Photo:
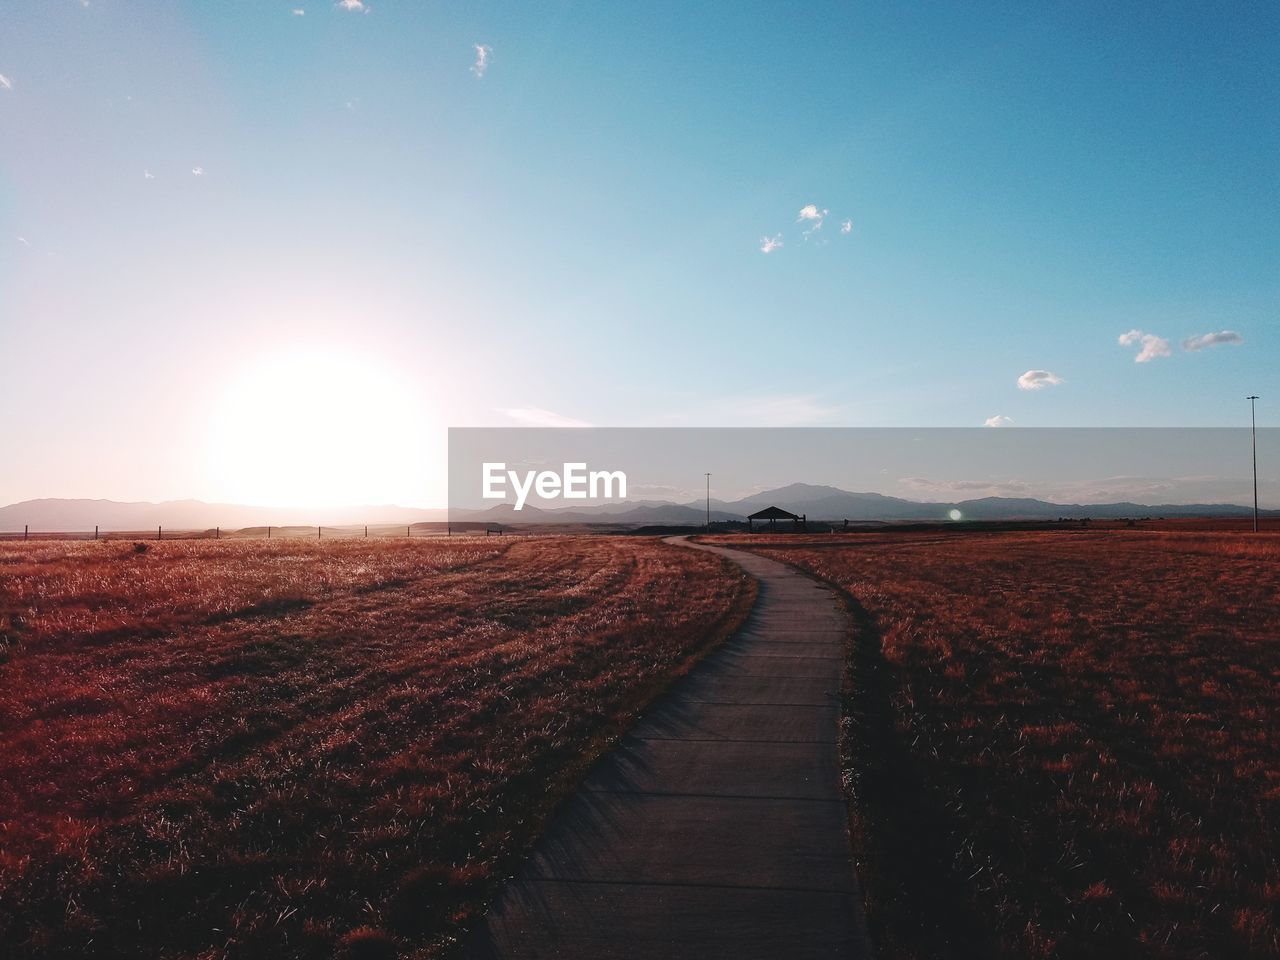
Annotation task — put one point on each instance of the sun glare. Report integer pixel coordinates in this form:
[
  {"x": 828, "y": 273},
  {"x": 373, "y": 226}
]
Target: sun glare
[{"x": 319, "y": 427}]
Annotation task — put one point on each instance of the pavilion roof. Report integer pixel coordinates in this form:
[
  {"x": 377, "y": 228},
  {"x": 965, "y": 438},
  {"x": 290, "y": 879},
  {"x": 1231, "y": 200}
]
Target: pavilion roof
[{"x": 773, "y": 513}]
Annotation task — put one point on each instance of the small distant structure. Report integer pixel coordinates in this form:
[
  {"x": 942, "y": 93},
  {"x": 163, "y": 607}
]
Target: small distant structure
[{"x": 773, "y": 515}]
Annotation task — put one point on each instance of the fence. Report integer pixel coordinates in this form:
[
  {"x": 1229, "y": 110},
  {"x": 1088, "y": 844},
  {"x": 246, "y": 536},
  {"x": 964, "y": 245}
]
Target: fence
[{"x": 290, "y": 532}]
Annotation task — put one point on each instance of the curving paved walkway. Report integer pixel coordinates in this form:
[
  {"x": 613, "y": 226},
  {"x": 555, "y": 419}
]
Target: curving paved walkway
[{"x": 717, "y": 828}]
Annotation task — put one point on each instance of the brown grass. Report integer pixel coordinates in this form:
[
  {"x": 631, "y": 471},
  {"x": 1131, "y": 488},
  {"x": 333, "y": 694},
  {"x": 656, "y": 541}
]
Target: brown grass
[
  {"x": 1063, "y": 744},
  {"x": 243, "y": 749}
]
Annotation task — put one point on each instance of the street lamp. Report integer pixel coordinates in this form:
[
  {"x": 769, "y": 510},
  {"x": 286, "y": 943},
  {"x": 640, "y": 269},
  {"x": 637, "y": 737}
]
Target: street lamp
[
  {"x": 708, "y": 503},
  {"x": 1253, "y": 417}
]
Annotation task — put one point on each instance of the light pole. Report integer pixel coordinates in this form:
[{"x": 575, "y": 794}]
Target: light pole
[
  {"x": 708, "y": 503},
  {"x": 1253, "y": 418}
]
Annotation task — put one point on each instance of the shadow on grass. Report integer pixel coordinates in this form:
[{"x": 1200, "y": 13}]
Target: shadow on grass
[{"x": 904, "y": 837}]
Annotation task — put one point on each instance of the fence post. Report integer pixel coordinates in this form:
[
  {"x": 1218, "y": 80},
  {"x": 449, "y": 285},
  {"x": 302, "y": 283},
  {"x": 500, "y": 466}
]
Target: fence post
[
  {"x": 159, "y": 533},
  {"x": 95, "y": 531},
  {"x": 26, "y": 530},
  {"x": 366, "y": 529},
  {"x": 407, "y": 533},
  {"x": 268, "y": 532},
  {"x": 318, "y": 533},
  {"x": 217, "y": 533}
]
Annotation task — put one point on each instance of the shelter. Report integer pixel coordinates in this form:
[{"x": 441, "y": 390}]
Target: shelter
[{"x": 773, "y": 515}]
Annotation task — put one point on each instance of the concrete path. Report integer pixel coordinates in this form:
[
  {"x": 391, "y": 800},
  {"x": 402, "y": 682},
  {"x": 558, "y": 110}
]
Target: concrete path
[{"x": 717, "y": 828}]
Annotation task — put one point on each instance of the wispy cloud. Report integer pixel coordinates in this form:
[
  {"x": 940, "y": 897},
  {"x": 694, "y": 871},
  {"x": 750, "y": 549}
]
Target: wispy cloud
[
  {"x": 664, "y": 491},
  {"x": 148, "y": 175},
  {"x": 1038, "y": 380},
  {"x": 23, "y": 240},
  {"x": 298, "y": 12},
  {"x": 484, "y": 54},
  {"x": 5, "y": 82},
  {"x": 772, "y": 410},
  {"x": 354, "y": 6},
  {"x": 538, "y": 417},
  {"x": 811, "y": 215},
  {"x": 1152, "y": 345},
  {"x": 197, "y": 171},
  {"x": 965, "y": 489},
  {"x": 999, "y": 420},
  {"x": 1194, "y": 344}
]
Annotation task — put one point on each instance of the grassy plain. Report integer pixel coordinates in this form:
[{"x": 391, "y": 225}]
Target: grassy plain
[
  {"x": 1062, "y": 744},
  {"x": 289, "y": 748}
]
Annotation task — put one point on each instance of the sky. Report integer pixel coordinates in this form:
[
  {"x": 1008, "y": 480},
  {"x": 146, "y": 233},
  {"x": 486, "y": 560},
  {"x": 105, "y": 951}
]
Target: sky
[{"x": 269, "y": 252}]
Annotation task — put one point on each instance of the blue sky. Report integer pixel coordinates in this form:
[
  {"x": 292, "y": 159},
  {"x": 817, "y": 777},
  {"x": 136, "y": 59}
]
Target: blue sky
[{"x": 574, "y": 232}]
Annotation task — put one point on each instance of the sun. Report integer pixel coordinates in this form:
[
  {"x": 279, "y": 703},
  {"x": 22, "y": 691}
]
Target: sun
[{"x": 318, "y": 426}]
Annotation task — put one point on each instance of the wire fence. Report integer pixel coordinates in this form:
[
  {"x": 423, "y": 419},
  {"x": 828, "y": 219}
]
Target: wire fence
[{"x": 283, "y": 532}]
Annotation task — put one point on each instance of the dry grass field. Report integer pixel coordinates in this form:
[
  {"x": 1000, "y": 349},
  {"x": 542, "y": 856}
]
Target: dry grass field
[
  {"x": 233, "y": 749},
  {"x": 1062, "y": 745}
]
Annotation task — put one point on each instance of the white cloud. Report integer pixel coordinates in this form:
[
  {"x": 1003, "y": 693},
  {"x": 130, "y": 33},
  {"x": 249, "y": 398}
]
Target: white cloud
[
  {"x": 23, "y": 240},
  {"x": 770, "y": 244},
  {"x": 354, "y": 6},
  {"x": 999, "y": 420},
  {"x": 298, "y": 12},
  {"x": 810, "y": 214},
  {"x": 965, "y": 489},
  {"x": 1152, "y": 346},
  {"x": 846, "y": 226},
  {"x": 5, "y": 82},
  {"x": 197, "y": 171},
  {"x": 1038, "y": 379},
  {"x": 1194, "y": 344},
  {"x": 537, "y": 417},
  {"x": 777, "y": 410},
  {"x": 148, "y": 175},
  {"x": 483, "y": 55}
]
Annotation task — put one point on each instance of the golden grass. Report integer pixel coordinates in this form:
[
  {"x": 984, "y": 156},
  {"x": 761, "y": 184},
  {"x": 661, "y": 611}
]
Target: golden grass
[
  {"x": 1063, "y": 744},
  {"x": 235, "y": 749}
]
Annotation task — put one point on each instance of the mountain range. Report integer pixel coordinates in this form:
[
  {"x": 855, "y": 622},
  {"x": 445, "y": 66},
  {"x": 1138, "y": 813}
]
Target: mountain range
[
  {"x": 824, "y": 503},
  {"x": 816, "y": 502}
]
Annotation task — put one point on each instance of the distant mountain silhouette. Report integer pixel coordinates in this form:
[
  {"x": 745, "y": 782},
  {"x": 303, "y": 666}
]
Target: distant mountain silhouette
[
  {"x": 818, "y": 503},
  {"x": 56, "y": 515},
  {"x": 827, "y": 503}
]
